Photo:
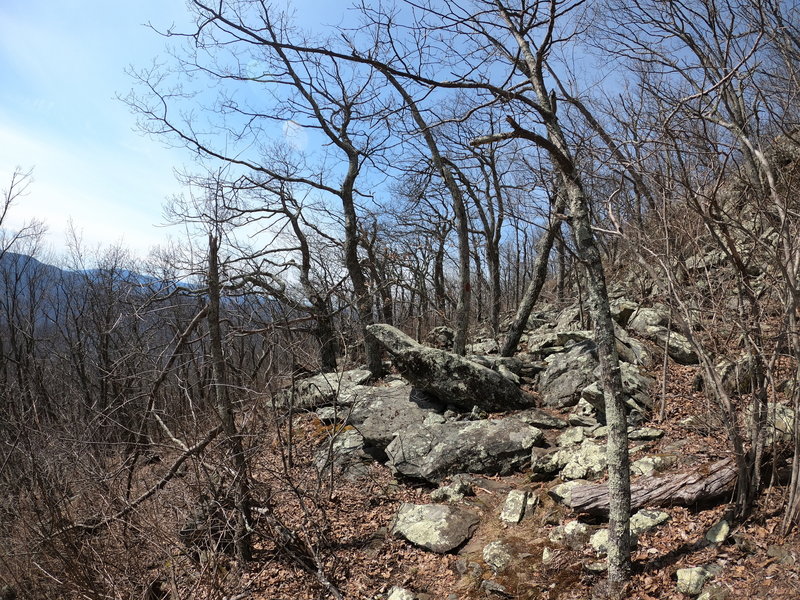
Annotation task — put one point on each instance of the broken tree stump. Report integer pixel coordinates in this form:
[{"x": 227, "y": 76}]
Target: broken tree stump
[{"x": 704, "y": 483}]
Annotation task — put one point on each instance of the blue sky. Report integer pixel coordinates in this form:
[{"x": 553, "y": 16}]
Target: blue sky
[{"x": 62, "y": 64}]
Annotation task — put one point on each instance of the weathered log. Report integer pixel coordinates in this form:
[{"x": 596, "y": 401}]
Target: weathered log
[{"x": 707, "y": 482}]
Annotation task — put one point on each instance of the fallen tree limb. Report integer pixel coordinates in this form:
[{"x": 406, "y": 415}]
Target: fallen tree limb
[{"x": 704, "y": 483}]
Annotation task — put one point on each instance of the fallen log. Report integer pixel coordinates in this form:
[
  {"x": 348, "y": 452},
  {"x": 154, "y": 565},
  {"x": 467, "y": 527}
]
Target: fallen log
[{"x": 707, "y": 482}]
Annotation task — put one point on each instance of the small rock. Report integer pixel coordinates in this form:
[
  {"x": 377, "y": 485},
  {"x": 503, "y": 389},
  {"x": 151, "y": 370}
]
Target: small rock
[
  {"x": 497, "y": 555},
  {"x": 459, "y": 487},
  {"x": 492, "y": 588},
  {"x": 573, "y": 535},
  {"x": 514, "y": 506},
  {"x": 645, "y": 433},
  {"x": 782, "y": 553},
  {"x": 719, "y": 532},
  {"x": 588, "y": 461},
  {"x": 570, "y": 437},
  {"x": 714, "y": 592},
  {"x": 562, "y": 493},
  {"x": 435, "y": 527},
  {"x": 399, "y": 593},
  {"x": 649, "y": 465},
  {"x": 540, "y": 418},
  {"x": 599, "y": 541},
  {"x": 600, "y": 432},
  {"x": 596, "y": 566},
  {"x": 691, "y": 580},
  {"x": 645, "y": 520},
  {"x": 547, "y": 555}
]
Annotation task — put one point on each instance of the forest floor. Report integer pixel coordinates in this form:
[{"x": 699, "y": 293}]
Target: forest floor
[{"x": 364, "y": 561}]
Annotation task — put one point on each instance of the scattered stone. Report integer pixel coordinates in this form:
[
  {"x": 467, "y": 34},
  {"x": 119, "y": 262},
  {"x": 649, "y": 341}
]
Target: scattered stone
[
  {"x": 568, "y": 374},
  {"x": 588, "y": 461},
  {"x": 596, "y": 566},
  {"x": 547, "y": 555},
  {"x": 399, "y": 593},
  {"x": 449, "y": 377},
  {"x": 324, "y": 389},
  {"x": 599, "y": 541},
  {"x": 573, "y": 535},
  {"x": 570, "y": 437},
  {"x": 434, "y": 452},
  {"x": 644, "y": 433},
  {"x": 492, "y": 588},
  {"x": 459, "y": 488},
  {"x": 584, "y": 415},
  {"x": 714, "y": 592},
  {"x": 539, "y": 418},
  {"x": 783, "y": 553},
  {"x": 436, "y": 527},
  {"x": 497, "y": 555},
  {"x": 600, "y": 432},
  {"x": 562, "y": 493},
  {"x": 441, "y": 337},
  {"x": 646, "y": 519},
  {"x": 649, "y": 465},
  {"x": 719, "y": 532},
  {"x": 547, "y": 462},
  {"x": 345, "y": 451},
  {"x": 514, "y": 506},
  {"x": 691, "y": 580}
]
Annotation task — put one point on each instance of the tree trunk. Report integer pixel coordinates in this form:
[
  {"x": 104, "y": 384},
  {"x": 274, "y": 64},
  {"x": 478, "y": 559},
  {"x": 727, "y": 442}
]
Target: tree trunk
[
  {"x": 543, "y": 248},
  {"x": 225, "y": 409}
]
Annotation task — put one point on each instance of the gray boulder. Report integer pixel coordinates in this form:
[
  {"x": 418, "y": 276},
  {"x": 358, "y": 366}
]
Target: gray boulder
[
  {"x": 436, "y": 527},
  {"x": 433, "y": 452},
  {"x": 449, "y": 377},
  {"x": 568, "y": 374},
  {"x": 379, "y": 413},
  {"x": 441, "y": 337},
  {"x": 324, "y": 389}
]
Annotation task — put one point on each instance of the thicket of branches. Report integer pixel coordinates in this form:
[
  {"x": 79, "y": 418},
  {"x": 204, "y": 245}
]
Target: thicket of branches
[{"x": 437, "y": 163}]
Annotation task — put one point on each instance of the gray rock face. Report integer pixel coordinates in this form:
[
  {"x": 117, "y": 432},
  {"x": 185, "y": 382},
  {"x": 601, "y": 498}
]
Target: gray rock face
[
  {"x": 325, "y": 389},
  {"x": 435, "y": 527},
  {"x": 691, "y": 581},
  {"x": 379, "y": 413},
  {"x": 449, "y": 377},
  {"x": 441, "y": 337},
  {"x": 514, "y": 506},
  {"x": 432, "y": 452},
  {"x": 346, "y": 453},
  {"x": 498, "y": 555},
  {"x": 568, "y": 374}
]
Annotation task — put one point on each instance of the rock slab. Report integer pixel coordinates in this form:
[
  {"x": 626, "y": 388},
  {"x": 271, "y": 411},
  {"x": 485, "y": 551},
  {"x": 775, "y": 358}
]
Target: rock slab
[
  {"x": 434, "y": 451},
  {"x": 447, "y": 376},
  {"x": 436, "y": 527}
]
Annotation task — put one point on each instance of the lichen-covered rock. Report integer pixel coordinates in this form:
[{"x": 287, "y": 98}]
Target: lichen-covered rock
[
  {"x": 719, "y": 532},
  {"x": 324, "y": 389},
  {"x": 650, "y": 465},
  {"x": 645, "y": 520},
  {"x": 379, "y": 413},
  {"x": 539, "y": 418},
  {"x": 441, "y": 337},
  {"x": 692, "y": 580},
  {"x": 589, "y": 460},
  {"x": 458, "y": 489},
  {"x": 568, "y": 374},
  {"x": 439, "y": 528},
  {"x": 571, "y": 436},
  {"x": 433, "y": 452},
  {"x": 498, "y": 555},
  {"x": 400, "y": 593},
  {"x": 449, "y": 377},
  {"x": 514, "y": 506},
  {"x": 562, "y": 493},
  {"x": 574, "y": 535}
]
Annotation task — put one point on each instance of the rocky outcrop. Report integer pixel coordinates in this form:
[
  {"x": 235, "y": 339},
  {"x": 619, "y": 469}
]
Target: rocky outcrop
[
  {"x": 449, "y": 377},
  {"x": 380, "y": 413},
  {"x": 436, "y": 527},
  {"x": 573, "y": 375},
  {"x": 433, "y": 452},
  {"x": 325, "y": 389}
]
